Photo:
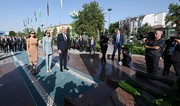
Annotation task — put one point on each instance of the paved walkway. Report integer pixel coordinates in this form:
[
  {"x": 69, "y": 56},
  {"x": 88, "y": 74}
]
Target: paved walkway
[
  {"x": 85, "y": 83},
  {"x": 13, "y": 90}
]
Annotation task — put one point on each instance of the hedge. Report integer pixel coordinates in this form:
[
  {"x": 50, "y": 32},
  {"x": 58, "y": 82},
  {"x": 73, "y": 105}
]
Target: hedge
[{"x": 136, "y": 48}]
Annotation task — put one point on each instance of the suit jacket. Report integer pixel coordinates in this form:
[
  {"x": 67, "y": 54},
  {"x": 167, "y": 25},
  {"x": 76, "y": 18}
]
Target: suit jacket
[
  {"x": 47, "y": 45},
  {"x": 121, "y": 40},
  {"x": 63, "y": 44}
]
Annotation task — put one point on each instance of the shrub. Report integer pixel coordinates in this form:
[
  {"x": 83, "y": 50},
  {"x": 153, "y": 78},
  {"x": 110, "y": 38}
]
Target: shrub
[
  {"x": 135, "y": 48},
  {"x": 97, "y": 48}
]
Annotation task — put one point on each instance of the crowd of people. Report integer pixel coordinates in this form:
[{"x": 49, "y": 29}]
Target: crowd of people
[
  {"x": 12, "y": 43},
  {"x": 155, "y": 48},
  {"x": 84, "y": 43}
]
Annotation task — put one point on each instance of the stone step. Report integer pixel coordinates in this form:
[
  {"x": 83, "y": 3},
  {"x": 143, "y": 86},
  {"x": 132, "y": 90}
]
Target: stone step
[
  {"x": 99, "y": 95},
  {"x": 156, "y": 88}
]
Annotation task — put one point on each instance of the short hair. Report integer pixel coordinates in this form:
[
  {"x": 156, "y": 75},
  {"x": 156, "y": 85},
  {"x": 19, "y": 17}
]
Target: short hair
[
  {"x": 118, "y": 29},
  {"x": 161, "y": 32}
]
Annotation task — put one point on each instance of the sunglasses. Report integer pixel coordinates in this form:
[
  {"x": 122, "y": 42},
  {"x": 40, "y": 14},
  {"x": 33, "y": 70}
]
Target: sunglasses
[
  {"x": 32, "y": 33},
  {"x": 47, "y": 33}
]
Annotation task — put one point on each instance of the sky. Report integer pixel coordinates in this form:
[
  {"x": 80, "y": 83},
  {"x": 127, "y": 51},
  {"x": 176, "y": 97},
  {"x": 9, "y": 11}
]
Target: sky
[{"x": 13, "y": 12}]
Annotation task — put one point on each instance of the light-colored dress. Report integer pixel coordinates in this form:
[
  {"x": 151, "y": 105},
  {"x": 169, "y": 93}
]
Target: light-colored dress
[
  {"x": 47, "y": 45},
  {"x": 33, "y": 49}
]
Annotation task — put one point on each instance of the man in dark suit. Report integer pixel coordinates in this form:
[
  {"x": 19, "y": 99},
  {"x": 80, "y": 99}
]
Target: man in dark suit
[
  {"x": 63, "y": 44},
  {"x": 118, "y": 43},
  {"x": 104, "y": 45}
]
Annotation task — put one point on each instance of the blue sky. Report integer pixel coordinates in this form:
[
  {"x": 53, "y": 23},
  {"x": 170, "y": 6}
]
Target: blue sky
[{"x": 13, "y": 12}]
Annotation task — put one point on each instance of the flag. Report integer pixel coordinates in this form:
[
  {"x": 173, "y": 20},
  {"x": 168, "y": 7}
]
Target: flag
[
  {"x": 28, "y": 20},
  {"x": 24, "y": 22},
  {"x": 61, "y": 4},
  {"x": 40, "y": 13},
  {"x": 35, "y": 15},
  {"x": 31, "y": 20},
  {"x": 47, "y": 9}
]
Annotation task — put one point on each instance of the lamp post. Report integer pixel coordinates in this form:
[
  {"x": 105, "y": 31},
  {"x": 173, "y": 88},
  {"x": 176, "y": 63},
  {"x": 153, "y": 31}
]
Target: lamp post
[
  {"x": 169, "y": 28},
  {"x": 74, "y": 15},
  {"x": 109, "y": 9}
]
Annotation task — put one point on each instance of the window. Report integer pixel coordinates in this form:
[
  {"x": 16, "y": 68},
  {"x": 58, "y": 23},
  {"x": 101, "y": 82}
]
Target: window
[{"x": 139, "y": 23}]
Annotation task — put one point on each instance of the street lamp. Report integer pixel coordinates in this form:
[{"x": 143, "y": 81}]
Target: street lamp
[
  {"x": 109, "y": 9},
  {"x": 74, "y": 15}
]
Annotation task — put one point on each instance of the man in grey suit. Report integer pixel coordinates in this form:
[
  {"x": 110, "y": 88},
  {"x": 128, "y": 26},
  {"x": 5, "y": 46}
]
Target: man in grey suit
[{"x": 63, "y": 44}]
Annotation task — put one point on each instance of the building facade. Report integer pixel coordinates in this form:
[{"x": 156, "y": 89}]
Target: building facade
[
  {"x": 58, "y": 27},
  {"x": 157, "y": 21}
]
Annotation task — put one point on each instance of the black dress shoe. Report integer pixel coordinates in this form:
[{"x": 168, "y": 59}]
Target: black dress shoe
[
  {"x": 66, "y": 68},
  {"x": 61, "y": 70}
]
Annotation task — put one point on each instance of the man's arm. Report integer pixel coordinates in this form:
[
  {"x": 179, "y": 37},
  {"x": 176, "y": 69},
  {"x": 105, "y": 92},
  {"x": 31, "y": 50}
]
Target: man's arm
[
  {"x": 152, "y": 47},
  {"x": 122, "y": 40},
  {"x": 113, "y": 40},
  {"x": 177, "y": 40},
  {"x": 58, "y": 42}
]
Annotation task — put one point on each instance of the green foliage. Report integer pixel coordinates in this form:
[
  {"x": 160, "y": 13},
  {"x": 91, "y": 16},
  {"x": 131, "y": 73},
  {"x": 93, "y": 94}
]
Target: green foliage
[
  {"x": 73, "y": 28},
  {"x": 128, "y": 88},
  {"x": 144, "y": 30},
  {"x": 20, "y": 33},
  {"x": 113, "y": 27},
  {"x": 126, "y": 29},
  {"x": 39, "y": 34},
  {"x": 173, "y": 16},
  {"x": 97, "y": 48},
  {"x": 12, "y": 33},
  {"x": 54, "y": 33},
  {"x": 136, "y": 48},
  {"x": 26, "y": 31},
  {"x": 90, "y": 19},
  {"x": 161, "y": 102},
  {"x": 68, "y": 31}
]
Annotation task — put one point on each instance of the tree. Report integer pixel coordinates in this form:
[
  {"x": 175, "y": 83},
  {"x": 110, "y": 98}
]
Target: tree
[
  {"x": 39, "y": 33},
  {"x": 20, "y": 33},
  {"x": 144, "y": 30},
  {"x": 68, "y": 31},
  {"x": 12, "y": 33},
  {"x": 54, "y": 33},
  {"x": 113, "y": 27},
  {"x": 26, "y": 31},
  {"x": 73, "y": 28},
  {"x": 126, "y": 29},
  {"x": 90, "y": 19},
  {"x": 173, "y": 16}
]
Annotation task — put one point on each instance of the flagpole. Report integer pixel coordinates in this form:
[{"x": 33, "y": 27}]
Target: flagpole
[
  {"x": 61, "y": 7},
  {"x": 47, "y": 14}
]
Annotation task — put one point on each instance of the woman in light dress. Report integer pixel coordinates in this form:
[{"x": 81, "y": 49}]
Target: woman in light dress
[{"x": 48, "y": 49}]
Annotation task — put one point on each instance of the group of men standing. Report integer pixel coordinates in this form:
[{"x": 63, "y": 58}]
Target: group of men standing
[
  {"x": 84, "y": 43},
  {"x": 15, "y": 43},
  {"x": 156, "y": 47}
]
